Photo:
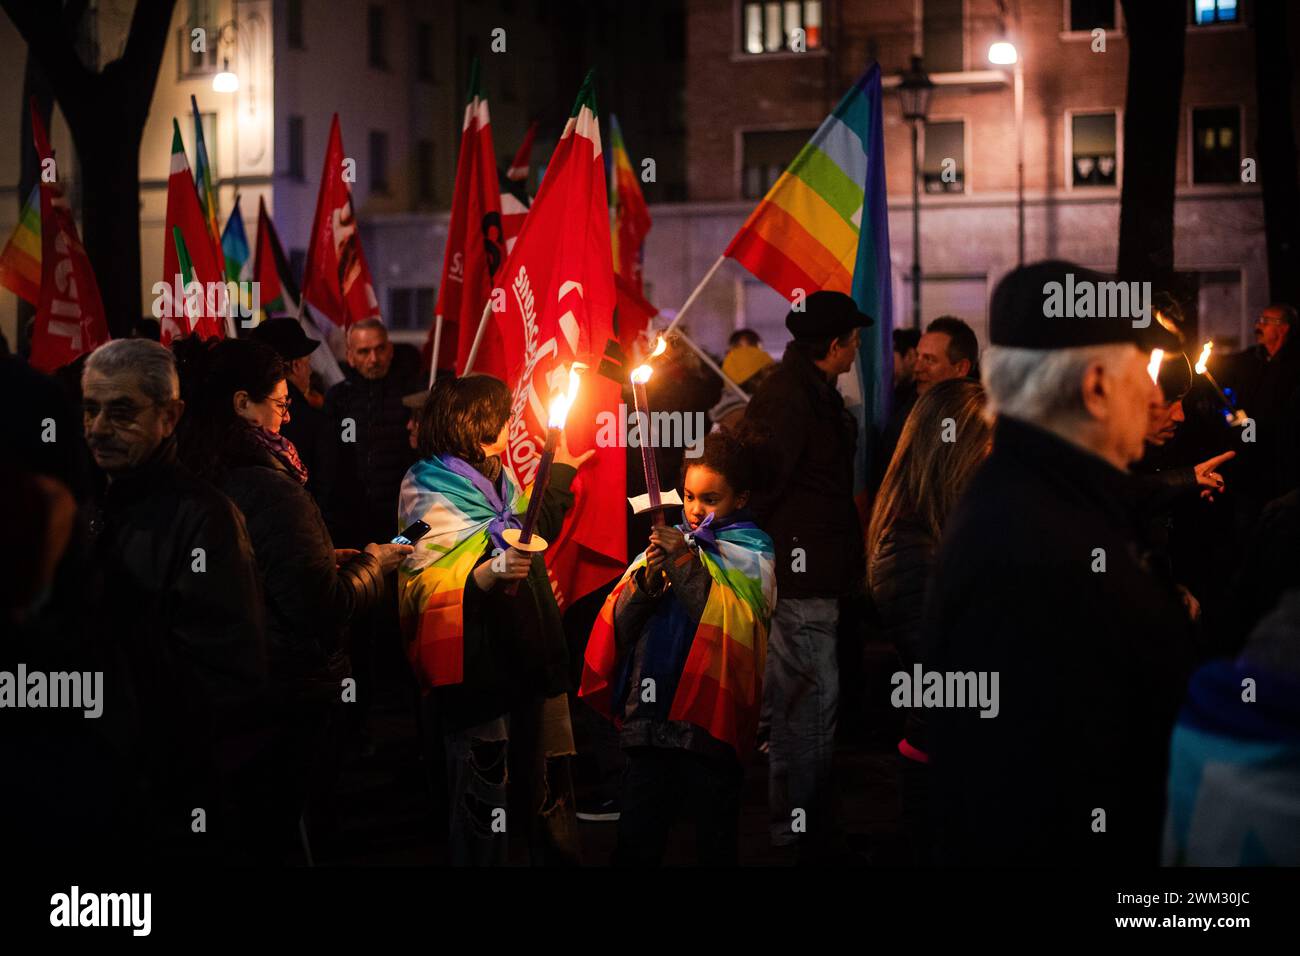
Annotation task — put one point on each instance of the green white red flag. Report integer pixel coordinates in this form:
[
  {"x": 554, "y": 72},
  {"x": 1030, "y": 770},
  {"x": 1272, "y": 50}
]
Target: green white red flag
[
  {"x": 558, "y": 294},
  {"x": 70, "y": 319},
  {"x": 337, "y": 279},
  {"x": 185, "y": 213}
]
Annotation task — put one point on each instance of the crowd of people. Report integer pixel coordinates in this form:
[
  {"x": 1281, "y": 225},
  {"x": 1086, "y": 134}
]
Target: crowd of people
[{"x": 1070, "y": 520}]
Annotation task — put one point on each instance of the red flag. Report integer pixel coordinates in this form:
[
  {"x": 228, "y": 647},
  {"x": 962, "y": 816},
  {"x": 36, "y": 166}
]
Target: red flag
[
  {"x": 70, "y": 318},
  {"x": 518, "y": 170},
  {"x": 514, "y": 191},
  {"x": 634, "y": 313},
  {"x": 185, "y": 214},
  {"x": 474, "y": 247},
  {"x": 558, "y": 289},
  {"x": 337, "y": 279}
]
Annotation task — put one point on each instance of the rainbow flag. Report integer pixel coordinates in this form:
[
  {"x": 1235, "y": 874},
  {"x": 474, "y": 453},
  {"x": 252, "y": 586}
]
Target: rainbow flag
[
  {"x": 629, "y": 218},
  {"x": 721, "y": 685},
  {"x": 20, "y": 262},
  {"x": 825, "y": 225},
  {"x": 204, "y": 185},
  {"x": 466, "y": 516}
]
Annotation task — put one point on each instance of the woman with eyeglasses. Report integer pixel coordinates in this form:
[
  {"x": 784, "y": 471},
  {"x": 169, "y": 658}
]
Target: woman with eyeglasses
[{"x": 237, "y": 399}]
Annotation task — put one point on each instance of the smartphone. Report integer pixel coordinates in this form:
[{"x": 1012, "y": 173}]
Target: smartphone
[{"x": 412, "y": 533}]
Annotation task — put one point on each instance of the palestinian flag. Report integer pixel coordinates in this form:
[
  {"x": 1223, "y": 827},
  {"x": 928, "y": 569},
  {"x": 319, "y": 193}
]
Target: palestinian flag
[
  {"x": 185, "y": 214},
  {"x": 558, "y": 287},
  {"x": 20, "y": 262}
]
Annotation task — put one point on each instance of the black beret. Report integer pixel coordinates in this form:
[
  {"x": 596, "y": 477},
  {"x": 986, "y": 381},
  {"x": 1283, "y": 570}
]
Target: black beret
[
  {"x": 1061, "y": 305},
  {"x": 826, "y": 314}
]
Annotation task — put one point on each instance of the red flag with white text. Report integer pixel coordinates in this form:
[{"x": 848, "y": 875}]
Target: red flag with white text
[
  {"x": 558, "y": 290},
  {"x": 70, "y": 319}
]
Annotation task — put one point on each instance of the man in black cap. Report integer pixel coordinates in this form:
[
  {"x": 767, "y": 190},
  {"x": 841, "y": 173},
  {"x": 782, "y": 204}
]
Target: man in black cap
[
  {"x": 809, "y": 512},
  {"x": 1043, "y": 593},
  {"x": 308, "y": 423}
]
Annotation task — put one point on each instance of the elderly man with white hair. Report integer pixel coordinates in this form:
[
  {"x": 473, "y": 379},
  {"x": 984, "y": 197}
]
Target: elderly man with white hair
[
  {"x": 180, "y": 597},
  {"x": 1043, "y": 592}
]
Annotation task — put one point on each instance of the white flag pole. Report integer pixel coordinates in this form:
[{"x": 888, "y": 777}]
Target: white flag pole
[
  {"x": 711, "y": 364},
  {"x": 478, "y": 338},
  {"x": 690, "y": 299},
  {"x": 437, "y": 346}
]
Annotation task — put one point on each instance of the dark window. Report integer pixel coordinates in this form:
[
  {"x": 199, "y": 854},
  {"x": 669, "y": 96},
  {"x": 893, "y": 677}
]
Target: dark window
[
  {"x": 1088, "y": 15},
  {"x": 766, "y": 155},
  {"x": 424, "y": 172},
  {"x": 376, "y": 41},
  {"x": 293, "y": 24},
  {"x": 944, "y": 167},
  {"x": 191, "y": 61},
  {"x": 297, "y": 169},
  {"x": 410, "y": 308},
  {"x": 1208, "y": 12},
  {"x": 1216, "y": 145},
  {"x": 424, "y": 51},
  {"x": 792, "y": 26},
  {"x": 378, "y": 161},
  {"x": 1094, "y": 156},
  {"x": 297, "y": 263},
  {"x": 943, "y": 36}
]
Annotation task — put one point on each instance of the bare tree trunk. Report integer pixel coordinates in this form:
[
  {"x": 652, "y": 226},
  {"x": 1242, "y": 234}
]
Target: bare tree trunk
[
  {"x": 1156, "y": 30},
  {"x": 106, "y": 111},
  {"x": 1275, "y": 147}
]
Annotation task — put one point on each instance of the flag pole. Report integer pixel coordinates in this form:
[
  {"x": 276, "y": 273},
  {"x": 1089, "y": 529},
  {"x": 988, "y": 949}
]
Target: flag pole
[
  {"x": 437, "y": 346},
  {"x": 478, "y": 338},
  {"x": 690, "y": 300},
  {"x": 711, "y": 364}
]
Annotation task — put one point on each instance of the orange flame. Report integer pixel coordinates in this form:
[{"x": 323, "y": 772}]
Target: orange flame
[
  {"x": 560, "y": 404},
  {"x": 1153, "y": 367},
  {"x": 641, "y": 374},
  {"x": 1203, "y": 361}
]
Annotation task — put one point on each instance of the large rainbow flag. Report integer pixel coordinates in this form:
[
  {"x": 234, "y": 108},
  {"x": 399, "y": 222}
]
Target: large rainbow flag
[
  {"x": 825, "y": 225},
  {"x": 465, "y": 515},
  {"x": 721, "y": 685},
  {"x": 20, "y": 262}
]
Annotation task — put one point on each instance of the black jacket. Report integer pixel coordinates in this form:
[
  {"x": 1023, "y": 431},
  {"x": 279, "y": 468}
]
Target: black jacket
[
  {"x": 360, "y": 479},
  {"x": 179, "y": 594},
  {"x": 1092, "y": 664},
  {"x": 309, "y": 601},
  {"x": 809, "y": 503}
]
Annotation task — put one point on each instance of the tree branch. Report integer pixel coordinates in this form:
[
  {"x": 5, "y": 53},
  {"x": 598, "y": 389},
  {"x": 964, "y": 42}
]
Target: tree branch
[{"x": 51, "y": 44}]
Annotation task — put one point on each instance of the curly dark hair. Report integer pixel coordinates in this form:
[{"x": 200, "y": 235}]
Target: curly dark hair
[
  {"x": 460, "y": 415},
  {"x": 739, "y": 455},
  {"x": 211, "y": 373}
]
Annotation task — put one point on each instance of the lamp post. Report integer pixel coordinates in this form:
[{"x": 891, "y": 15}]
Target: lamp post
[
  {"x": 914, "y": 89},
  {"x": 1004, "y": 53}
]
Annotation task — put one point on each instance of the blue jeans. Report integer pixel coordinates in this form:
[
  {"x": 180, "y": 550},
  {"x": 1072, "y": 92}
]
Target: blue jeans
[
  {"x": 803, "y": 687},
  {"x": 511, "y": 775}
]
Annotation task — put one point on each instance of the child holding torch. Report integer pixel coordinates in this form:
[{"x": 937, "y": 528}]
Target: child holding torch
[{"x": 676, "y": 659}]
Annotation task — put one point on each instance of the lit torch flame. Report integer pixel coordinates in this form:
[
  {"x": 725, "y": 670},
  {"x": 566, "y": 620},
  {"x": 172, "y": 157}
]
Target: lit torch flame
[
  {"x": 1203, "y": 361},
  {"x": 641, "y": 374},
  {"x": 561, "y": 404},
  {"x": 1153, "y": 367}
]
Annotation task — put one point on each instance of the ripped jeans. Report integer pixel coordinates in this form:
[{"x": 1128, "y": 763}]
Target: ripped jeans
[{"x": 511, "y": 776}]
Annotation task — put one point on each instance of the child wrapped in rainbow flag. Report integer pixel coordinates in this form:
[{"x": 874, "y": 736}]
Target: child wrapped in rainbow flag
[
  {"x": 494, "y": 664},
  {"x": 676, "y": 659}
]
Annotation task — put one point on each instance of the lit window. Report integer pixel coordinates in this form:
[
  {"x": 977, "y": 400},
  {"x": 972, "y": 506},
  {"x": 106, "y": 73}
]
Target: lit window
[
  {"x": 1094, "y": 156},
  {"x": 1207, "y": 12},
  {"x": 1216, "y": 148},
  {"x": 792, "y": 26}
]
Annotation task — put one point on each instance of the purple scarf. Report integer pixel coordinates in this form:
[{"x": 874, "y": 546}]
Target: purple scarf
[
  {"x": 283, "y": 450},
  {"x": 505, "y": 518}
]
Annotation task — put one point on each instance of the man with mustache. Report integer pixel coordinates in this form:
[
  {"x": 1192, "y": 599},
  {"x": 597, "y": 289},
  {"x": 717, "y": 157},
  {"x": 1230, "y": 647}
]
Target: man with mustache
[{"x": 179, "y": 597}]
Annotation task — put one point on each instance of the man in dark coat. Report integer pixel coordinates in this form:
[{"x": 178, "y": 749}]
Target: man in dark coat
[
  {"x": 180, "y": 592},
  {"x": 1043, "y": 593},
  {"x": 808, "y": 510}
]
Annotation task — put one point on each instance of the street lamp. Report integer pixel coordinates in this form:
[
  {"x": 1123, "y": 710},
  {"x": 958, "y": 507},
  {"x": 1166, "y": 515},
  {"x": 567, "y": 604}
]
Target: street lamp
[
  {"x": 1004, "y": 53},
  {"x": 914, "y": 89}
]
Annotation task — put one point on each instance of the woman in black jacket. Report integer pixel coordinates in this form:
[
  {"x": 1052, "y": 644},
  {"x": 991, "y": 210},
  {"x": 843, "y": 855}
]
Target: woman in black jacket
[
  {"x": 237, "y": 399},
  {"x": 943, "y": 441}
]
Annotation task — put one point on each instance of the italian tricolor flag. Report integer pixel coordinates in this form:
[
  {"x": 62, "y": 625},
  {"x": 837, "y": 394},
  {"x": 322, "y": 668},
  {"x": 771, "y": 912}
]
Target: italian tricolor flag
[{"x": 184, "y": 216}]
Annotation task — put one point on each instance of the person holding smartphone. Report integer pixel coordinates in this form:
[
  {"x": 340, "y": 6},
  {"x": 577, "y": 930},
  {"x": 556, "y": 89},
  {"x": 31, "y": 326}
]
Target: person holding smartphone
[{"x": 492, "y": 659}]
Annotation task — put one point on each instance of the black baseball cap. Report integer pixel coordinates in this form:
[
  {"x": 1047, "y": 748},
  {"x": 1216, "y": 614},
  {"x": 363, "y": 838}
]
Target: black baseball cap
[
  {"x": 826, "y": 314},
  {"x": 285, "y": 336},
  {"x": 1056, "y": 304}
]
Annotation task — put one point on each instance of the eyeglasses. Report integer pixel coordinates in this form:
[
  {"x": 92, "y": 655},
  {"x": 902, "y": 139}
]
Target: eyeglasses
[
  {"x": 120, "y": 414},
  {"x": 1263, "y": 321},
  {"x": 281, "y": 405}
]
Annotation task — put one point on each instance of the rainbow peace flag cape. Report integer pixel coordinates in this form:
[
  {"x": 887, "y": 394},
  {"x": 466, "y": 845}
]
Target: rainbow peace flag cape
[
  {"x": 721, "y": 686},
  {"x": 466, "y": 515}
]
